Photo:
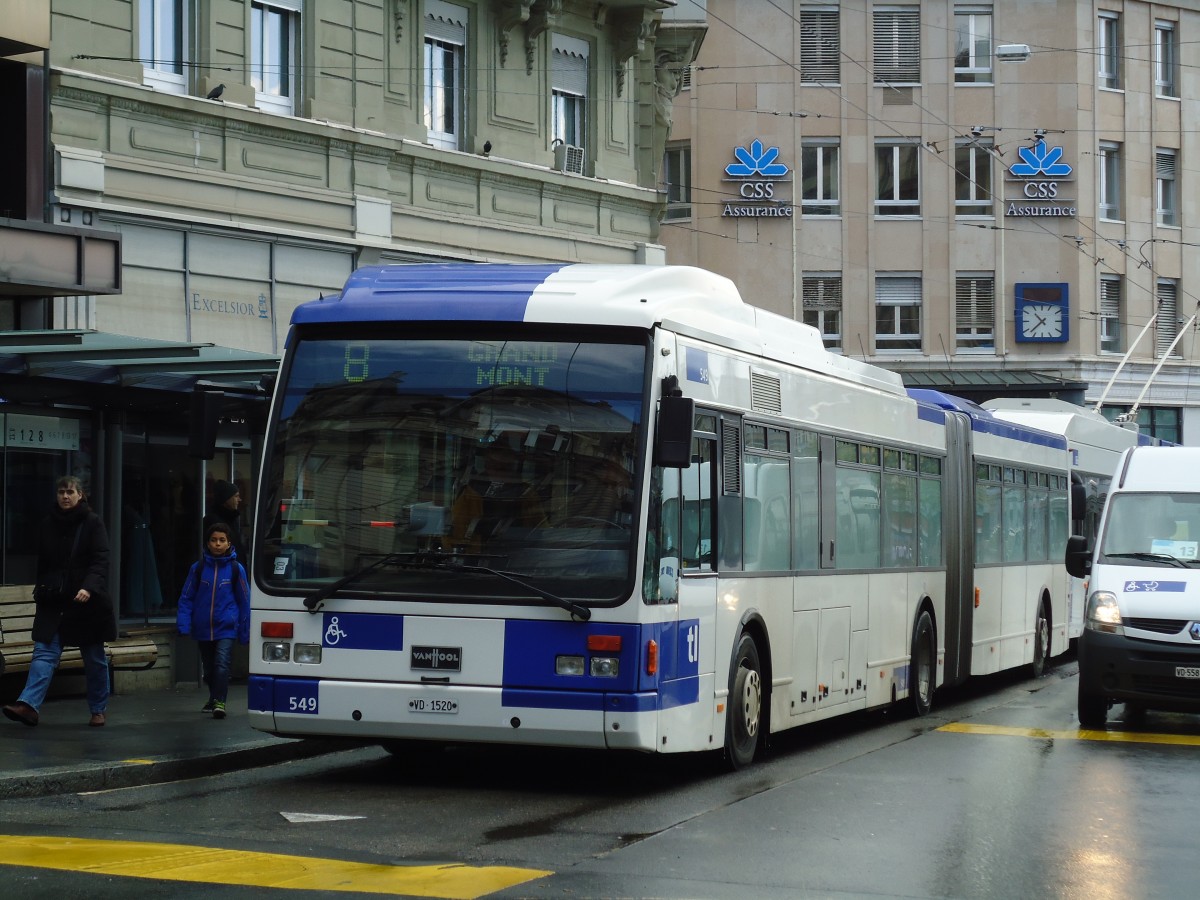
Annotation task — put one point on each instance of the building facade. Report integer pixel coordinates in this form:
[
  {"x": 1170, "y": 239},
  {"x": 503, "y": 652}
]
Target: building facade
[
  {"x": 991, "y": 198},
  {"x": 194, "y": 169}
]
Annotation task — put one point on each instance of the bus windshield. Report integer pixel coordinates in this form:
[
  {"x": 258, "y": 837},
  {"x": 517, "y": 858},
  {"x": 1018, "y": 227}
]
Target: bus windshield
[{"x": 416, "y": 465}]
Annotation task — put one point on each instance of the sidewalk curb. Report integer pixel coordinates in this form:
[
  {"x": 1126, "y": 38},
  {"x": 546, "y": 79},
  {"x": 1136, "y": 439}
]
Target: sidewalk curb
[{"x": 136, "y": 773}]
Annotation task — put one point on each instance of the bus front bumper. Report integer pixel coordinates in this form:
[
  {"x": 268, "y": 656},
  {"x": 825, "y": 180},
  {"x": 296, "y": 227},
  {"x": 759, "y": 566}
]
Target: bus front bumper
[{"x": 371, "y": 711}]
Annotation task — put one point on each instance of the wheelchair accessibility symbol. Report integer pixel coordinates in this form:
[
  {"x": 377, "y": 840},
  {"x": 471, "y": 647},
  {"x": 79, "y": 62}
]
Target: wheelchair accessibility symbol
[{"x": 333, "y": 633}]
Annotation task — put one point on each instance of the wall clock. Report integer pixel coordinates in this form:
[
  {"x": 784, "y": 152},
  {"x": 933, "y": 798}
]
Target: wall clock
[{"x": 1042, "y": 313}]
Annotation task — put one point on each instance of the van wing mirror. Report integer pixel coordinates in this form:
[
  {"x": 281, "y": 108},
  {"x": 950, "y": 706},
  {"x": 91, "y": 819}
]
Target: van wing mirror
[
  {"x": 1078, "y": 556},
  {"x": 673, "y": 442}
]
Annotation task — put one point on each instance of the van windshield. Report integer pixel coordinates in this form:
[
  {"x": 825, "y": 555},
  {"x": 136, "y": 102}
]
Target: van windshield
[{"x": 1152, "y": 529}]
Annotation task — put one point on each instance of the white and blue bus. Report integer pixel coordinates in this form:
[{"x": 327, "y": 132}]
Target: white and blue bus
[
  {"x": 617, "y": 507},
  {"x": 1095, "y": 445}
]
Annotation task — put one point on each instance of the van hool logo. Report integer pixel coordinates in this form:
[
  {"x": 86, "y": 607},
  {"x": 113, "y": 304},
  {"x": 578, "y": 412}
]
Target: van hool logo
[
  {"x": 443, "y": 658},
  {"x": 757, "y": 168}
]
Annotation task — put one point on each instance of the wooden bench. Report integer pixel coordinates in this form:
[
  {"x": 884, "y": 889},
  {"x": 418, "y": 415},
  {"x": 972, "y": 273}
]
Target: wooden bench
[{"x": 129, "y": 651}]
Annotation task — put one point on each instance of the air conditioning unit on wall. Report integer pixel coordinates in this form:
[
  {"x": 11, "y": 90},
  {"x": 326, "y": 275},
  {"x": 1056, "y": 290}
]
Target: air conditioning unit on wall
[{"x": 568, "y": 158}]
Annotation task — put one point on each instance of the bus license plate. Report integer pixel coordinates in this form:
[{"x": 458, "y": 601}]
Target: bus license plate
[
  {"x": 435, "y": 706},
  {"x": 1187, "y": 671}
]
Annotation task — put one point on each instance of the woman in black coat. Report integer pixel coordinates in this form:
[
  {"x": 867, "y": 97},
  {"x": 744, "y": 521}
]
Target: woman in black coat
[{"x": 72, "y": 605}]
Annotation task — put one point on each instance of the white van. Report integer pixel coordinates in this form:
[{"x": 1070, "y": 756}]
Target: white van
[{"x": 1141, "y": 626}]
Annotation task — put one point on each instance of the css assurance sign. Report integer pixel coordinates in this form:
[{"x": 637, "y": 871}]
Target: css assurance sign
[
  {"x": 1040, "y": 175},
  {"x": 760, "y": 179}
]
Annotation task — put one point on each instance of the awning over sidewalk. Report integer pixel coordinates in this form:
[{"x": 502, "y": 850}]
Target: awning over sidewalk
[
  {"x": 118, "y": 371},
  {"x": 987, "y": 384}
]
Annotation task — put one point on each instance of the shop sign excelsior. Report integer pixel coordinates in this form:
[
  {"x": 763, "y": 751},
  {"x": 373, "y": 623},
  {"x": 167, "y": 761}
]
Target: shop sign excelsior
[
  {"x": 758, "y": 175},
  {"x": 1040, "y": 174}
]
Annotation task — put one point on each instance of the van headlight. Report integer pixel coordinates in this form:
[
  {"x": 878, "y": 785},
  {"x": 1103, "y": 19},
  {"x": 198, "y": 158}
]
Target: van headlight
[{"x": 1103, "y": 614}]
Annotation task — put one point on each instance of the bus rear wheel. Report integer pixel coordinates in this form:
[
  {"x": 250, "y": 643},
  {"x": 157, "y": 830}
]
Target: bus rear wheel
[
  {"x": 743, "y": 718},
  {"x": 922, "y": 666}
]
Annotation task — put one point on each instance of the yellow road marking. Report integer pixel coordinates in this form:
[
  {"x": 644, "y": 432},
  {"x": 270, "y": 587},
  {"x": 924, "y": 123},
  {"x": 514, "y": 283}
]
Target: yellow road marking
[
  {"x": 206, "y": 865},
  {"x": 1076, "y": 734}
]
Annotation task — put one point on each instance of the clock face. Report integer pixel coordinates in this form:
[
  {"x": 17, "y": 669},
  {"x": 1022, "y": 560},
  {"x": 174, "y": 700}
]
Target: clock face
[{"x": 1042, "y": 321}]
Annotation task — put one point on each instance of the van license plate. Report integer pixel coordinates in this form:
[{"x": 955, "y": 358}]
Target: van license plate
[
  {"x": 1187, "y": 671},
  {"x": 451, "y": 706}
]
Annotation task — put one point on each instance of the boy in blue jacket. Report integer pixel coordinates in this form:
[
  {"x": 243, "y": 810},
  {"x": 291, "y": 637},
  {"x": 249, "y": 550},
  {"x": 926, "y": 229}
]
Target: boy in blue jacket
[{"x": 214, "y": 608}]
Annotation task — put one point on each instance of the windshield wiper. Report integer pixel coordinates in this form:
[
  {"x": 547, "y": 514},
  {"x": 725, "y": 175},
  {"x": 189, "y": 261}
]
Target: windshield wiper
[
  {"x": 436, "y": 560},
  {"x": 1154, "y": 557},
  {"x": 314, "y": 600}
]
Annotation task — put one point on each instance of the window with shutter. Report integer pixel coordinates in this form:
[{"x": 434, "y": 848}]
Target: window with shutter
[
  {"x": 898, "y": 312},
  {"x": 1110, "y": 314},
  {"x": 897, "y": 34},
  {"x": 445, "y": 89},
  {"x": 1166, "y": 326},
  {"x": 1166, "y": 197},
  {"x": 569, "y": 89},
  {"x": 974, "y": 312},
  {"x": 821, "y": 297},
  {"x": 820, "y": 46}
]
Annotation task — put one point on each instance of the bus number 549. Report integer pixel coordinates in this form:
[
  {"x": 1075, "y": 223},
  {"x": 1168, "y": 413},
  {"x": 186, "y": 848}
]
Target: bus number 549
[{"x": 302, "y": 704}]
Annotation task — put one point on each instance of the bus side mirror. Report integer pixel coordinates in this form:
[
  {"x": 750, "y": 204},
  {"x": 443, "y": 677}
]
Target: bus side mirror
[
  {"x": 1078, "y": 501},
  {"x": 673, "y": 444},
  {"x": 1078, "y": 557}
]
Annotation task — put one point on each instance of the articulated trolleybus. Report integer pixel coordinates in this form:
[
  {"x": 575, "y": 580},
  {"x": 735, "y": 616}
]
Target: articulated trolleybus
[{"x": 616, "y": 507}]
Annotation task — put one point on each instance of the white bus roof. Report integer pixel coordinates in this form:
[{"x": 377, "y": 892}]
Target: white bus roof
[{"x": 683, "y": 299}]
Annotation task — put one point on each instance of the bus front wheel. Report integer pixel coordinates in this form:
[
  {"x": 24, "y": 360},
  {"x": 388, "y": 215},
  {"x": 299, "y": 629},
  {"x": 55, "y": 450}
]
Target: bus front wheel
[
  {"x": 744, "y": 716},
  {"x": 921, "y": 666}
]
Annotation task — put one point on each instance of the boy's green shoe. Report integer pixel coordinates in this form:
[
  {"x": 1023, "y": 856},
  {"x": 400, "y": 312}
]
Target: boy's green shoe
[{"x": 218, "y": 709}]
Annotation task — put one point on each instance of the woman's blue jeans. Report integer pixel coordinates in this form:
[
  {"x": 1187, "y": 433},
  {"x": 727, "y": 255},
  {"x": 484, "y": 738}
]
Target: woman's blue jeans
[
  {"x": 45, "y": 661},
  {"x": 217, "y": 656}
]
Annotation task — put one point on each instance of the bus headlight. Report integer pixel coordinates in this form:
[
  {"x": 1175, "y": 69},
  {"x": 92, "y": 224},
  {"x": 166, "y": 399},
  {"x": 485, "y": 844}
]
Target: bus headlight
[
  {"x": 605, "y": 666},
  {"x": 307, "y": 654},
  {"x": 277, "y": 651},
  {"x": 1103, "y": 614},
  {"x": 568, "y": 665}
]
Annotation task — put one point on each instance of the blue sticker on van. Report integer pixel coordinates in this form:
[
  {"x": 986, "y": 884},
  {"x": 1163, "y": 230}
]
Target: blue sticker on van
[{"x": 1155, "y": 587}]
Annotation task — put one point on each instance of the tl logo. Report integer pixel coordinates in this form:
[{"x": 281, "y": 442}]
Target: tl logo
[
  {"x": 757, "y": 160},
  {"x": 1041, "y": 160}
]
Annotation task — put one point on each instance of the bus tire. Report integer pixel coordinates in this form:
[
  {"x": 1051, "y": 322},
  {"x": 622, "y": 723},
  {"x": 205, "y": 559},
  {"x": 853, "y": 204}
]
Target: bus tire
[
  {"x": 745, "y": 709},
  {"x": 922, "y": 666},
  {"x": 1092, "y": 709},
  {"x": 1041, "y": 641}
]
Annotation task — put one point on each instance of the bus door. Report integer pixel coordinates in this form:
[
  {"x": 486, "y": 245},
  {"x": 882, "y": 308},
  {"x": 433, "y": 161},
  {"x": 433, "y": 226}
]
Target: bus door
[
  {"x": 959, "y": 534},
  {"x": 688, "y": 658}
]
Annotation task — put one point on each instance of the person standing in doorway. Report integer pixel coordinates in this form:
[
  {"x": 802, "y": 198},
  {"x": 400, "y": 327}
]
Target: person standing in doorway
[
  {"x": 227, "y": 500},
  {"x": 214, "y": 608},
  {"x": 72, "y": 607}
]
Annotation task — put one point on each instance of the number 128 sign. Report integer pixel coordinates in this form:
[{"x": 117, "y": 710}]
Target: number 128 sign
[{"x": 43, "y": 432}]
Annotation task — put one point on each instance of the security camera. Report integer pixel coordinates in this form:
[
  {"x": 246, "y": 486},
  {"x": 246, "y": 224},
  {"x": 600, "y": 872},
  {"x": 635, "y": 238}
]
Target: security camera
[{"x": 1012, "y": 52}]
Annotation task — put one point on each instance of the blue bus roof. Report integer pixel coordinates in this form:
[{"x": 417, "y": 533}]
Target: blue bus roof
[{"x": 983, "y": 421}]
